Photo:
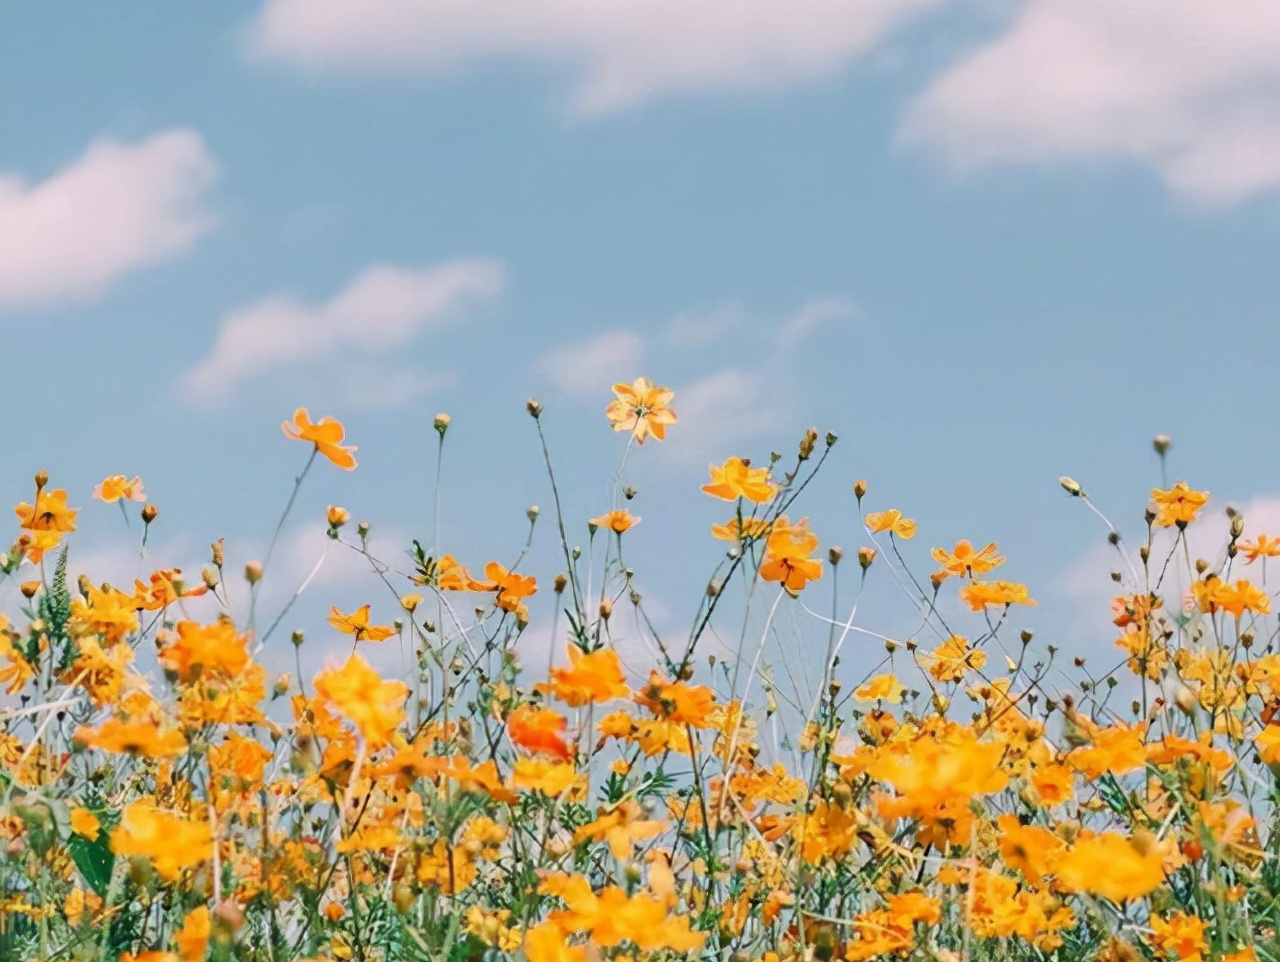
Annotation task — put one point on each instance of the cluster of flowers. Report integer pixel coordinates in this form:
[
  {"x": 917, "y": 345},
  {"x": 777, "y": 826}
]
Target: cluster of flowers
[{"x": 934, "y": 810}]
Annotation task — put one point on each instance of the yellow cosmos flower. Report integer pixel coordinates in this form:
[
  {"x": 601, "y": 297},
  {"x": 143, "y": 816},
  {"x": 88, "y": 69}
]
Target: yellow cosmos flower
[
  {"x": 618, "y": 521},
  {"x": 893, "y": 522},
  {"x": 116, "y": 487},
  {"x": 1179, "y": 505},
  {"x": 737, "y": 479},
  {"x": 641, "y": 408},
  {"x": 326, "y": 434},
  {"x": 357, "y": 625}
]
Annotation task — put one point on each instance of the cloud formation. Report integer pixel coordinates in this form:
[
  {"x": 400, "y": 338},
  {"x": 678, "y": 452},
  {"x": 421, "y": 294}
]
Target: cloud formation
[
  {"x": 1189, "y": 88},
  {"x": 585, "y": 368},
  {"x": 382, "y": 308},
  {"x": 621, "y": 52},
  {"x": 117, "y": 209}
]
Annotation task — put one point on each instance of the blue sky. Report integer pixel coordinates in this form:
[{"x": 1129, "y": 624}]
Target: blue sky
[{"x": 987, "y": 244}]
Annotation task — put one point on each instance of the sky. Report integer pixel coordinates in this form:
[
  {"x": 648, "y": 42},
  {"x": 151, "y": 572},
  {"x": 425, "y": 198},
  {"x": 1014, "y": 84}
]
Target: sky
[{"x": 987, "y": 244}]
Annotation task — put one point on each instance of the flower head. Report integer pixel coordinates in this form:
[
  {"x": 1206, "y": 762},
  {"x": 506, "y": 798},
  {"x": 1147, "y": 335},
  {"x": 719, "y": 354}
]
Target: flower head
[
  {"x": 1179, "y": 505},
  {"x": 326, "y": 434},
  {"x": 117, "y": 486},
  {"x": 641, "y": 408},
  {"x": 737, "y": 479},
  {"x": 357, "y": 624}
]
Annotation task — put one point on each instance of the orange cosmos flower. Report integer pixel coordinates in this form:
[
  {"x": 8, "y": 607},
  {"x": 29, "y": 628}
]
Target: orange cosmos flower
[
  {"x": 1263, "y": 547},
  {"x": 893, "y": 522},
  {"x": 117, "y": 486},
  {"x": 171, "y": 842},
  {"x": 539, "y": 730},
  {"x": 966, "y": 562},
  {"x": 164, "y": 588},
  {"x": 953, "y": 658},
  {"x": 1112, "y": 866},
  {"x": 786, "y": 557},
  {"x": 512, "y": 589},
  {"x": 46, "y": 522},
  {"x": 984, "y": 594},
  {"x": 375, "y": 707},
  {"x": 881, "y": 688},
  {"x": 620, "y": 827},
  {"x": 1238, "y": 598},
  {"x": 641, "y": 408},
  {"x": 137, "y": 736},
  {"x": 737, "y": 479},
  {"x": 1179, "y": 505},
  {"x": 617, "y": 521},
  {"x": 590, "y": 678},
  {"x": 736, "y": 530},
  {"x": 84, "y": 822},
  {"x": 326, "y": 434},
  {"x": 357, "y": 624},
  {"x": 677, "y": 702},
  {"x": 194, "y": 651}
]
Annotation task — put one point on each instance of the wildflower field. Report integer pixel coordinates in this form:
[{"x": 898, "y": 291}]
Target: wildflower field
[{"x": 972, "y": 795}]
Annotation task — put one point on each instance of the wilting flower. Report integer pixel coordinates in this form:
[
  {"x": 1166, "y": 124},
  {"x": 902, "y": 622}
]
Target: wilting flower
[
  {"x": 641, "y": 408},
  {"x": 326, "y": 434}
]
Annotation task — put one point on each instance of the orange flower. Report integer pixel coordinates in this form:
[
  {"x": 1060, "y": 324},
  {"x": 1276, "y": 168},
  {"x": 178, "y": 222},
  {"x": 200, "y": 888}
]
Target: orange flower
[
  {"x": 84, "y": 822},
  {"x": 171, "y": 842},
  {"x": 984, "y": 594},
  {"x": 1238, "y": 598},
  {"x": 881, "y": 688},
  {"x": 117, "y": 486},
  {"x": 677, "y": 702},
  {"x": 203, "y": 651},
  {"x": 590, "y": 678},
  {"x": 164, "y": 588},
  {"x": 192, "y": 940},
  {"x": 1179, "y": 505},
  {"x": 357, "y": 624},
  {"x": 966, "y": 562},
  {"x": 539, "y": 730},
  {"x": 620, "y": 827},
  {"x": 641, "y": 408},
  {"x": 326, "y": 434},
  {"x": 1112, "y": 866},
  {"x": 512, "y": 589},
  {"x": 618, "y": 521},
  {"x": 736, "y": 530},
  {"x": 893, "y": 522},
  {"x": 786, "y": 557},
  {"x": 737, "y": 479},
  {"x": 47, "y": 521},
  {"x": 548, "y": 776},
  {"x": 356, "y": 691},
  {"x": 954, "y": 657},
  {"x": 1262, "y": 547},
  {"x": 137, "y": 736}
]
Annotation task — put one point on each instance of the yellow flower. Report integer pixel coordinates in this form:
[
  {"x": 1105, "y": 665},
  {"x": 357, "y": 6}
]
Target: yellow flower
[
  {"x": 1179, "y": 505},
  {"x": 590, "y": 678},
  {"x": 83, "y": 822},
  {"x": 1262, "y": 547},
  {"x": 984, "y": 594},
  {"x": 326, "y": 434},
  {"x": 117, "y": 486},
  {"x": 171, "y": 842},
  {"x": 964, "y": 561},
  {"x": 893, "y": 522},
  {"x": 736, "y": 530},
  {"x": 737, "y": 479},
  {"x": 641, "y": 408},
  {"x": 786, "y": 556}
]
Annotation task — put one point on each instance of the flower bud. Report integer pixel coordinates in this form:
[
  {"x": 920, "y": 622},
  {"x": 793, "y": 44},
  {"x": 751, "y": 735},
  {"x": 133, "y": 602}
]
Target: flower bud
[
  {"x": 29, "y": 589},
  {"x": 1162, "y": 443},
  {"x": 534, "y": 407},
  {"x": 832, "y": 438},
  {"x": 559, "y": 584},
  {"x": 409, "y": 602},
  {"x": 362, "y": 529},
  {"x": 1237, "y": 526},
  {"x": 441, "y": 424},
  {"x": 606, "y": 609},
  {"x": 216, "y": 552},
  {"x": 337, "y": 516},
  {"x": 807, "y": 443},
  {"x": 834, "y": 554},
  {"x": 41, "y": 479},
  {"x": 1071, "y": 486},
  {"x": 149, "y": 513},
  {"x": 210, "y": 576},
  {"x": 532, "y": 513},
  {"x": 860, "y": 489},
  {"x": 629, "y": 492},
  {"x": 297, "y": 638},
  {"x": 866, "y": 556},
  {"x": 253, "y": 572},
  {"x": 281, "y": 686}
]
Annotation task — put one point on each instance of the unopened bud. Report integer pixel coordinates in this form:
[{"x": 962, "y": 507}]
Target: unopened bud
[
  {"x": 216, "y": 552},
  {"x": 534, "y": 407},
  {"x": 297, "y": 638},
  {"x": 253, "y": 572},
  {"x": 559, "y": 584},
  {"x": 1237, "y": 526},
  {"x": 890, "y": 645},
  {"x": 441, "y": 424},
  {"x": 210, "y": 576},
  {"x": 282, "y": 685},
  {"x": 1162, "y": 443},
  {"x": 362, "y": 529},
  {"x": 1144, "y": 553},
  {"x": 629, "y": 492},
  {"x": 149, "y": 513},
  {"x": 807, "y": 443},
  {"x": 1026, "y": 636},
  {"x": 532, "y": 513},
  {"x": 714, "y": 587},
  {"x": 1071, "y": 486},
  {"x": 337, "y": 516},
  {"x": 29, "y": 589},
  {"x": 832, "y": 438},
  {"x": 834, "y": 554},
  {"x": 410, "y": 601},
  {"x": 1201, "y": 566},
  {"x": 41, "y": 479},
  {"x": 860, "y": 489},
  {"x": 606, "y": 609},
  {"x": 866, "y": 556}
]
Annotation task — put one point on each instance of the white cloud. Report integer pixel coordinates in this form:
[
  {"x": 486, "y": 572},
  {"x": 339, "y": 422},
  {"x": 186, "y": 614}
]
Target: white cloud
[
  {"x": 1190, "y": 88},
  {"x": 115, "y": 210},
  {"x": 700, "y": 328},
  {"x": 720, "y": 412},
  {"x": 805, "y": 322},
  {"x": 621, "y": 52},
  {"x": 382, "y": 308},
  {"x": 584, "y": 368}
]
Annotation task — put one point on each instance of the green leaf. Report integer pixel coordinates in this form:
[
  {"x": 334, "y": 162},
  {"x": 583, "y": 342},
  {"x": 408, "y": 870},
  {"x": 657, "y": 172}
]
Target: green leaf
[{"x": 95, "y": 860}]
